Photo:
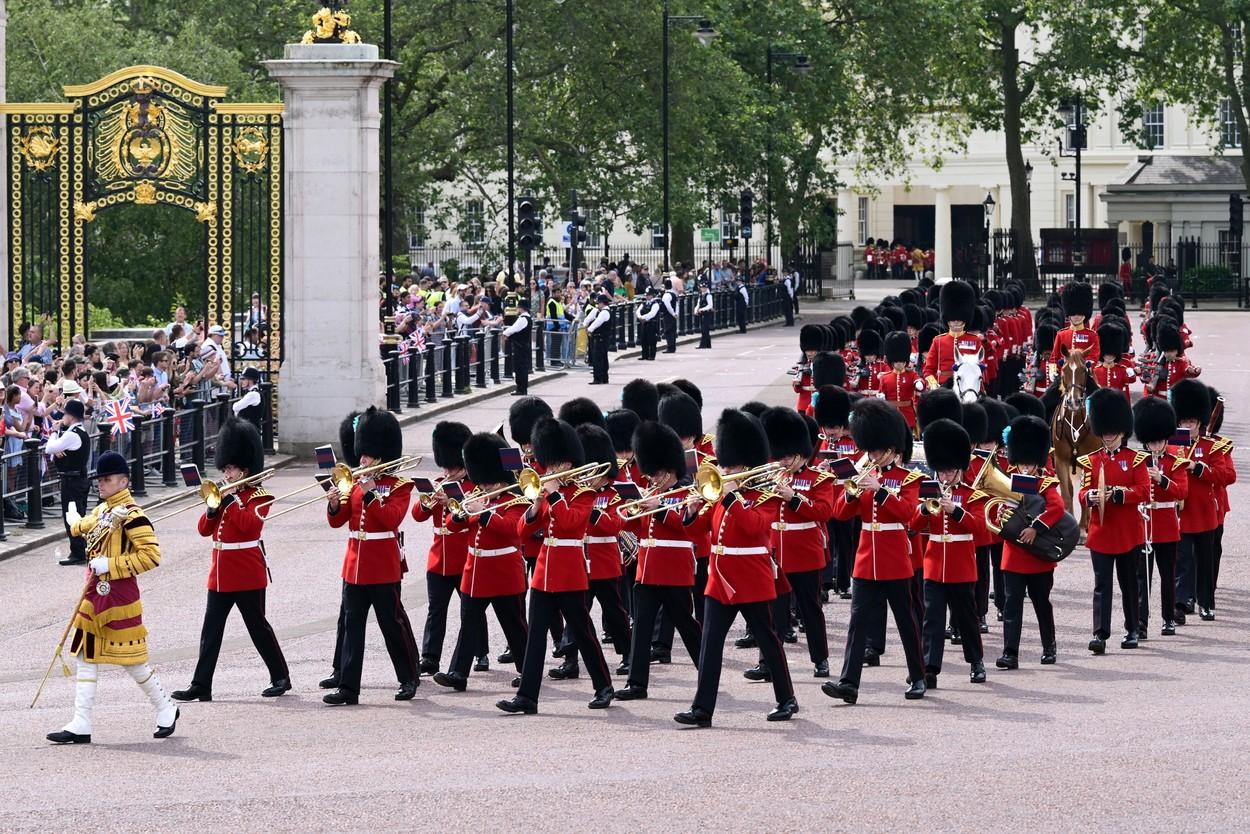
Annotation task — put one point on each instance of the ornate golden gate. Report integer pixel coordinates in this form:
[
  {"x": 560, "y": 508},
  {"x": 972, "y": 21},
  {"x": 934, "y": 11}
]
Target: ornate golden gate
[{"x": 147, "y": 135}]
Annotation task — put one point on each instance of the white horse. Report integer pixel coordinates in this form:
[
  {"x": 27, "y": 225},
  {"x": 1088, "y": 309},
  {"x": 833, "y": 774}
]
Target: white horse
[{"x": 966, "y": 378}]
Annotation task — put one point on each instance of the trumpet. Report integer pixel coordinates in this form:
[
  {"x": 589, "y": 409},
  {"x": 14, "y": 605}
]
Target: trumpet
[
  {"x": 866, "y": 467},
  {"x": 934, "y": 505},
  {"x": 212, "y": 492},
  {"x": 707, "y": 483},
  {"x": 344, "y": 478},
  {"x": 530, "y": 483},
  {"x": 426, "y": 499}
]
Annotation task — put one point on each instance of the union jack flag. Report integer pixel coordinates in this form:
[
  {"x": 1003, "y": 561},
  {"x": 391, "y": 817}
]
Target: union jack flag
[
  {"x": 403, "y": 347},
  {"x": 158, "y": 409},
  {"x": 120, "y": 417},
  {"x": 418, "y": 340}
]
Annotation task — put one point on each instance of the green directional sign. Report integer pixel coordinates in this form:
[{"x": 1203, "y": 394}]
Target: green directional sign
[{"x": 709, "y": 235}]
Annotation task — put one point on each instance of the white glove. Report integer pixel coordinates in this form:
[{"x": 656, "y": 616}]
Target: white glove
[
  {"x": 119, "y": 515},
  {"x": 71, "y": 516},
  {"x": 99, "y": 565}
]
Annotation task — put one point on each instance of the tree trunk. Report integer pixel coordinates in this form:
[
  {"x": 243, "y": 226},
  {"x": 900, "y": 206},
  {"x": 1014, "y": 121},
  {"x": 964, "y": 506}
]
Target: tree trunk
[
  {"x": 1024, "y": 266},
  {"x": 682, "y": 248}
]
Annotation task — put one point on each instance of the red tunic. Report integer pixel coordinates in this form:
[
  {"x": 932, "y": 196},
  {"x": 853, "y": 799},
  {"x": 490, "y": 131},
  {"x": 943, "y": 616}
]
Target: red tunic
[
  {"x": 901, "y": 390},
  {"x": 373, "y": 556},
  {"x": 1168, "y": 373},
  {"x": 741, "y": 569},
  {"x": 983, "y": 537},
  {"x": 493, "y": 566},
  {"x": 238, "y": 554},
  {"x": 603, "y": 546},
  {"x": 800, "y": 538},
  {"x": 1122, "y": 527},
  {"x": 561, "y": 517},
  {"x": 884, "y": 544},
  {"x": 666, "y": 549},
  {"x": 1115, "y": 376},
  {"x": 1165, "y": 498},
  {"x": 449, "y": 549},
  {"x": 950, "y": 554},
  {"x": 1212, "y": 470},
  {"x": 944, "y": 354},
  {"x": 1083, "y": 339},
  {"x": 803, "y": 387},
  {"x": 1019, "y": 560},
  {"x": 867, "y": 383}
]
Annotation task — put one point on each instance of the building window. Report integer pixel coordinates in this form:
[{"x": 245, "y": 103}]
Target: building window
[
  {"x": 1152, "y": 125},
  {"x": 657, "y": 236},
  {"x": 861, "y": 228},
  {"x": 416, "y": 231},
  {"x": 1228, "y": 248},
  {"x": 1230, "y": 131},
  {"x": 1069, "y": 210},
  {"x": 474, "y": 230}
]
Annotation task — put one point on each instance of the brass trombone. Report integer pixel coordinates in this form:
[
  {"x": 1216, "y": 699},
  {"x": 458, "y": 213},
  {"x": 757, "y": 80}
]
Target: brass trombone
[
  {"x": 706, "y": 483},
  {"x": 530, "y": 483},
  {"x": 212, "y": 492},
  {"x": 344, "y": 478}
]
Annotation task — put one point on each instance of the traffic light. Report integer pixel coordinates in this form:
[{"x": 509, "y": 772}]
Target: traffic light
[
  {"x": 1235, "y": 222},
  {"x": 744, "y": 213},
  {"x": 577, "y": 235},
  {"x": 529, "y": 235}
]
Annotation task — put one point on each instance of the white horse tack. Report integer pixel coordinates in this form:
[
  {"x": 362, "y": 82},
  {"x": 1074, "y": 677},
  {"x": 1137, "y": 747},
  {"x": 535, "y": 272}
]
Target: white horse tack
[{"x": 966, "y": 376}]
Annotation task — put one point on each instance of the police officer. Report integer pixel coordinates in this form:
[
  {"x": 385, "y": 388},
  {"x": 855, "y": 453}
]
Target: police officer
[
  {"x": 669, "y": 302},
  {"x": 646, "y": 313},
  {"x": 599, "y": 330},
  {"x": 70, "y": 450},
  {"x": 741, "y": 299},
  {"x": 248, "y": 407},
  {"x": 705, "y": 314},
  {"x": 789, "y": 304},
  {"x": 519, "y": 337}
]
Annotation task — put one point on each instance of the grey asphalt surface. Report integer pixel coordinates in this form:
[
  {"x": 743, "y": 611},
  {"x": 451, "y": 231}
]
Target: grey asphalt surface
[{"x": 1153, "y": 739}]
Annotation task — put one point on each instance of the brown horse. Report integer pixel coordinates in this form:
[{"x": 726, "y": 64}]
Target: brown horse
[{"x": 1070, "y": 434}]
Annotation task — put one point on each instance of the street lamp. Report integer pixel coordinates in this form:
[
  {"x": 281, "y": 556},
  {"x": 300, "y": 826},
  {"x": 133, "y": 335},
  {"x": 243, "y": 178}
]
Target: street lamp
[
  {"x": 510, "y": 84},
  {"x": 798, "y": 61},
  {"x": 704, "y": 34},
  {"x": 988, "y": 205},
  {"x": 1073, "y": 114}
]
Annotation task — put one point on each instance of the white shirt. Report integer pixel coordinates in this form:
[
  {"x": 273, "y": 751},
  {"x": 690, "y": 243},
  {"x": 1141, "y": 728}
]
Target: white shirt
[
  {"x": 463, "y": 322},
  {"x": 743, "y": 292},
  {"x": 597, "y": 319},
  {"x": 648, "y": 310},
  {"x": 705, "y": 303},
  {"x": 522, "y": 321},
  {"x": 789, "y": 282},
  {"x": 251, "y": 398},
  {"x": 669, "y": 298},
  {"x": 67, "y": 441}
]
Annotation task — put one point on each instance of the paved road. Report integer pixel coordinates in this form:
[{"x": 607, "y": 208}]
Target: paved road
[{"x": 1151, "y": 739}]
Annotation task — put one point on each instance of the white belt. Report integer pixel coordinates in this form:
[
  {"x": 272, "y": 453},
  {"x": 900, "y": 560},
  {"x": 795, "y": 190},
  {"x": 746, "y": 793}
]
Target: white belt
[
  {"x": 721, "y": 550},
  {"x": 443, "y": 531},
  {"x": 876, "y": 527},
  {"x": 601, "y": 540},
  {"x": 951, "y": 537},
  {"x": 235, "y": 545},
  {"x": 486, "y": 554},
  {"x": 361, "y": 535},
  {"x": 794, "y": 525},
  {"x": 1163, "y": 505},
  {"x": 563, "y": 542},
  {"x": 666, "y": 543}
]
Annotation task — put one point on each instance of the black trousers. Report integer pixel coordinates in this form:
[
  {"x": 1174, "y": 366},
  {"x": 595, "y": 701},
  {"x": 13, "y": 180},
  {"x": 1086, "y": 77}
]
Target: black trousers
[
  {"x": 615, "y": 620},
  {"x": 251, "y": 606},
  {"x": 1219, "y": 553},
  {"x": 996, "y": 566},
  {"x": 677, "y": 604},
  {"x": 1038, "y": 586},
  {"x": 519, "y": 350},
  {"x": 670, "y": 333},
  {"x": 388, "y": 609},
  {"x": 544, "y": 607},
  {"x": 1203, "y": 545},
  {"x": 790, "y": 306},
  {"x": 511, "y": 614},
  {"x": 705, "y": 330},
  {"x": 717, "y": 619},
  {"x": 869, "y": 598},
  {"x": 647, "y": 338},
  {"x": 1125, "y": 567},
  {"x": 740, "y": 313},
  {"x": 846, "y": 541},
  {"x": 74, "y": 491},
  {"x": 1186, "y": 572},
  {"x": 915, "y": 589},
  {"x": 1164, "y": 557},
  {"x": 983, "y": 582},
  {"x": 662, "y": 636},
  {"x": 598, "y": 350},
  {"x": 961, "y": 597},
  {"x": 440, "y": 590},
  {"x": 805, "y": 594}
]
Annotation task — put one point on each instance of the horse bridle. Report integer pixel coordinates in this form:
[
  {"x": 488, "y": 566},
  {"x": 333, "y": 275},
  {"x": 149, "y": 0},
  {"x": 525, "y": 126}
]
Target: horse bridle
[{"x": 1073, "y": 402}]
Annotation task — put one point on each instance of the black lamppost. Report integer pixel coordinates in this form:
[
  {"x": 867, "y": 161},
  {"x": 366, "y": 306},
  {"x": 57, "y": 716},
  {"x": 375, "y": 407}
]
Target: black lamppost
[
  {"x": 511, "y": 60},
  {"x": 988, "y": 205},
  {"x": 388, "y": 178},
  {"x": 705, "y": 34},
  {"x": 1073, "y": 115},
  {"x": 801, "y": 65}
]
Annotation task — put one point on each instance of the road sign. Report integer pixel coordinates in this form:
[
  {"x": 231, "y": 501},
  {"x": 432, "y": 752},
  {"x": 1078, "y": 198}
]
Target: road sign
[
  {"x": 710, "y": 234},
  {"x": 564, "y": 236}
]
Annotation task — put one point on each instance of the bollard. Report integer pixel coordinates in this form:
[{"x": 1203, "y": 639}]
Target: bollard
[
  {"x": 479, "y": 339},
  {"x": 169, "y": 458},
  {"x": 197, "y": 434},
  {"x": 539, "y": 365},
  {"x": 34, "y": 481},
  {"x": 462, "y": 365},
  {"x": 429, "y": 363},
  {"x": 266, "y": 418},
  {"x": 390, "y": 362},
  {"x": 414, "y": 377},
  {"x": 494, "y": 355},
  {"x": 449, "y": 359},
  {"x": 630, "y": 319},
  {"x": 138, "y": 472}
]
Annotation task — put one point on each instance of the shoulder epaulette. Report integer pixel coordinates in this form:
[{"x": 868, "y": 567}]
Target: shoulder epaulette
[
  {"x": 582, "y": 489},
  {"x": 977, "y": 495},
  {"x": 822, "y": 476},
  {"x": 708, "y": 438},
  {"x": 136, "y": 519},
  {"x": 1084, "y": 461},
  {"x": 261, "y": 493},
  {"x": 1139, "y": 457},
  {"x": 1047, "y": 483},
  {"x": 912, "y": 475},
  {"x": 400, "y": 481},
  {"x": 1223, "y": 444},
  {"x": 616, "y": 497}
]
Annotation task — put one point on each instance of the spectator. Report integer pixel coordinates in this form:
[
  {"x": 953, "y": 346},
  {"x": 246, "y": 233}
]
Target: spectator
[
  {"x": 180, "y": 319},
  {"x": 36, "y": 347},
  {"x": 257, "y": 314}
]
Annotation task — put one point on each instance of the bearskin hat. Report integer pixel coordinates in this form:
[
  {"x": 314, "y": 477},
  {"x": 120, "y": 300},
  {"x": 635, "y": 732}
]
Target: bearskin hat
[
  {"x": 1109, "y": 413},
  {"x": 897, "y": 347},
  {"x": 813, "y": 432},
  {"x": 1115, "y": 305},
  {"x": 1028, "y": 441},
  {"x": 622, "y": 423},
  {"x": 239, "y": 444},
  {"x": 811, "y": 337},
  {"x": 896, "y": 317},
  {"x": 582, "y": 410},
  {"x": 597, "y": 447},
  {"x": 1078, "y": 299},
  {"x": 847, "y": 325},
  {"x": 861, "y": 315},
  {"x": 1044, "y": 337},
  {"x": 1171, "y": 307},
  {"x": 959, "y": 300},
  {"x": 740, "y": 440},
  {"x": 556, "y": 442},
  {"x": 975, "y": 422},
  {"x": 1168, "y": 337},
  {"x": 378, "y": 435},
  {"x": 836, "y": 337},
  {"x": 1191, "y": 400},
  {"x": 924, "y": 339},
  {"x": 641, "y": 397},
  {"x": 828, "y": 369},
  {"x": 481, "y": 459},
  {"x": 1153, "y": 419},
  {"x": 666, "y": 389},
  {"x": 1158, "y": 292},
  {"x": 522, "y": 416},
  {"x": 947, "y": 445},
  {"x": 1108, "y": 290},
  {"x": 449, "y": 439},
  {"x": 688, "y": 387},
  {"x": 876, "y": 426},
  {"x": 1025, "y": 403},
  {"x": 755, "y": 408},
  {"x": 832, "y": 406},
  {"x": 915, "y": 316},
  {"x": 938, "y": 402},
  {"x": 682, "y": 414},
  {"x": 1110, "y": 340},
  {"x": 787, "y": 433},
  {"x": 982, "y": 319},
  {"x": 997, "y": 418},
  {"x": 869, "y": 343},
  {"x": 657, "y": 448},
  {"x": 347, "y": 439}
]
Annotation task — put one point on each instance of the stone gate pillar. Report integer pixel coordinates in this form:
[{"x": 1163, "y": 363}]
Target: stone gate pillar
[{"x": 331, "y": 363}]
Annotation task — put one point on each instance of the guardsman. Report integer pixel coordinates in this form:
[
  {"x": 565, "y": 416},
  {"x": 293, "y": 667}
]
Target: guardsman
[
  {"x": 641, "y": 397},
  {"x": 648, "y": 327},
  {"x": 70, "y": 450},
  {"x": 975, "y": 422},
  {"x": 1110, "y": 372},
  {"x": 599, "y": 333},
  {"x": 448, "y": 551},
  {"x": 1028, "y": 450},
  {"x": 518, "y": 339},
  {"x": 705, "y": 310},
  {"x": 1115, "y": 484},
  {"x": 1171, "y": 365},
  {"x": 681, "y": 413},
  {"x": 621, "y": 424},
  {"x": 1078, "y": 306},
  {"x": 1037, "y": 369},
  {"x": 831, "y": 408},
  {"x": 958, "y": 305},
  {"x": 1154, "y": 422},
  {"x": 810, "y": 342},
  {"x": 373, "y": 564},
  {"x": 950, "y": 562},
  {"x": 1209, "y": 463},
  {"x": 561, "y": 573},
  {"x": 742, "y": 574},
  {"x": 800, "y": 537},
  {"x": 238, "y": 575},
  {"x": 884, "y": 497},
  {"x": 866, "y": 373},
  {"x": 108, "y": 627},
  {"x": 494, "y": 571},
  {"x": 901, "y": 385}
]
